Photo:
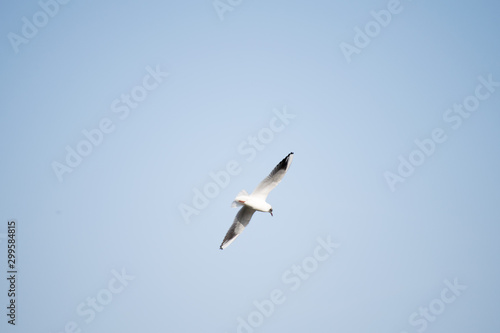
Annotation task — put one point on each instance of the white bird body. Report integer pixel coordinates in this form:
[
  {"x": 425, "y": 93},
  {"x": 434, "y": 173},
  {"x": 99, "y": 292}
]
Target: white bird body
[{"x": 255, "y": 201}]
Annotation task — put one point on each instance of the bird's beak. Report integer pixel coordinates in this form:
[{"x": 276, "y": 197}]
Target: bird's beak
[{"x": 271, "y": 213}]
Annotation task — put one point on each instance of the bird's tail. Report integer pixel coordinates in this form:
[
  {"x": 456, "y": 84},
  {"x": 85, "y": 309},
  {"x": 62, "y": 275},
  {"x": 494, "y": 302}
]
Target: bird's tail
[{"x": 240, "y": 199}]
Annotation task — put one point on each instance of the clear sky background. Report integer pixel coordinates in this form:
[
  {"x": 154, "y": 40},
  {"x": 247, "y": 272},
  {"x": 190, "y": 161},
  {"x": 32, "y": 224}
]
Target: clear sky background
[{"x": 120, "y": 241}]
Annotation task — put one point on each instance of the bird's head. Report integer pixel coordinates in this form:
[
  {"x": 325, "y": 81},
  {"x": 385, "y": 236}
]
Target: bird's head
[{"x": 271, "y": 211}]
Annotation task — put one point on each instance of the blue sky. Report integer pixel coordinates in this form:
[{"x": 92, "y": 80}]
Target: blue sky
[{"x": 117, "y": 115}]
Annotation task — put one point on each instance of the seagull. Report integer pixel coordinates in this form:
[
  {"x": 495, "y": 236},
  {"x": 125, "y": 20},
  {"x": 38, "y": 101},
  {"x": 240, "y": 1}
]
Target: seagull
[{"x": 255, "y": 201}]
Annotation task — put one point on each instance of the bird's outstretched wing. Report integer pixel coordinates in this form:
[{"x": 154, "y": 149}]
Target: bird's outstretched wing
[
  {"x": 240, "y": 222},
  {"x": 262, "y": 190}
]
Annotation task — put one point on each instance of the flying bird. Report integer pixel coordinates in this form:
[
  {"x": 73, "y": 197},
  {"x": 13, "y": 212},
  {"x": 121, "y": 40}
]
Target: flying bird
[{"x": 255, "y": 201}]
